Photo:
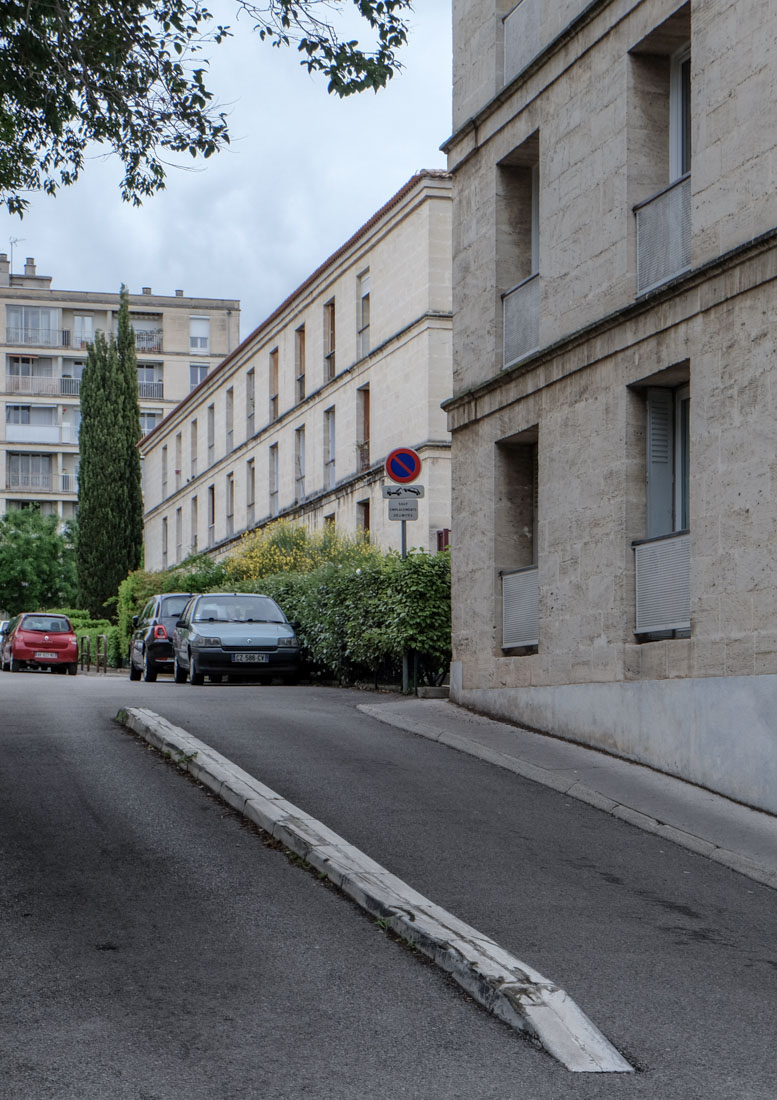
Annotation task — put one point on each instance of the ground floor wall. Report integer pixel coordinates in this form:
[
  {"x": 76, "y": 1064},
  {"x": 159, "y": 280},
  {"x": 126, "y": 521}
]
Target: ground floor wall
[{"x": 555, "y": 472}]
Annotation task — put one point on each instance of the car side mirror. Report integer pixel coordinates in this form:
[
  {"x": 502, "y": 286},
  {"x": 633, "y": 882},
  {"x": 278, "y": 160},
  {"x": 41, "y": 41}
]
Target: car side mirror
[
  {"x": 294, "y": 625},
  {"x": 135, "y": 619},
  {"x": 180, "y": 622}
]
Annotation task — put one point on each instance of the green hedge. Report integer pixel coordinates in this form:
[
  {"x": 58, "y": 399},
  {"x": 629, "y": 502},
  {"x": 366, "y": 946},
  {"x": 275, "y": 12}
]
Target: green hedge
[{"x": 84, "y": 625}]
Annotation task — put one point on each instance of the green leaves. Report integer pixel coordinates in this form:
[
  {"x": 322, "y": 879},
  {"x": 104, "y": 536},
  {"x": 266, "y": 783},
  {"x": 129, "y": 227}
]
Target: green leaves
[
  {"x": 123, "y": 73},
  {"x": 37, "y": 562}
]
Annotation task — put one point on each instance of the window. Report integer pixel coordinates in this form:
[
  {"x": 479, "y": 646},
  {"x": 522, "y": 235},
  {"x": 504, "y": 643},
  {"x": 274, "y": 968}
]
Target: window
[
  {"x": 250, "y": 492},
  {"x": 516, "y": 471},
  {"x": 230, "y": 504},
  {"x": 179, "y": 534},
  {"x": 363, "y": 516},
  {"x": 668, "y": 460},
  {"x": 83, "y": 329},
  {"x": 29, "y": 471},
  {"x": 274, "y": 479},
  {"x": 680, "y": 114},
  {"x": 164, "y": 471},
  {"x": 40, "y": 415},
  {"x": 363, "y": 429},
  {"x": 194, "y": 522},
  {"x": 178, "y": 459},
  {"x": 150, "y": 381},
  {"x": 149, "y": 418},
  {"x": 199, "y": 334},
  {"x": 197, "y": 373},
  {"x": 299, "y": 362},
  {"x": 164, "y": 541},
  {"x": 32, "y": 325},
  {"x": 211, "y": 433},
  {"x": 250, "y": 403},
  {"x": 273, "y": 385},
  {"x": 329, "y": 519},
  {"x": 230, "y": 413},
  {"x": 211, "y": 515},
  {"x": 299, "y": 464},
  {"x": 329, "y": 448},
  {"x": 363, "y": 315},
  {"x": 193, "y": 447},
  {"x": 518, "y": 248},
  {"x": 329, "y": 341}
]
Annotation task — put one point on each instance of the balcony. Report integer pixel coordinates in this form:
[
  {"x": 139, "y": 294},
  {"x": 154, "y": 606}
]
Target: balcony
[
  {"x": 69, "y": 483},
  {"x": 521, "y": 317},
  {"x": 151, "y": 390},
  {"x": 41, "y": 433},
  {"x": 31, "y": 483},
  {"x": 663, "y": 567},
  {"x": 664, "y": 235},
  {"x": 520, "y": 607},
  {"x": 150, "y": 340},
  {"x": 38, "y": 337}
]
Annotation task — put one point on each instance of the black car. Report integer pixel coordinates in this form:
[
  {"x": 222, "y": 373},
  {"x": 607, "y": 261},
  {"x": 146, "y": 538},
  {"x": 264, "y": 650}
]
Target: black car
[
  {"x": 151, "y": 647},
  {"x": 234, "y": 634}
]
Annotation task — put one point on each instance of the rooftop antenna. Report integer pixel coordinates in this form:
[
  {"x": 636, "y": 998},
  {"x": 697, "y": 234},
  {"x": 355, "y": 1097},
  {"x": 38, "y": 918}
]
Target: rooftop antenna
[{"x": 12, "y": 241}]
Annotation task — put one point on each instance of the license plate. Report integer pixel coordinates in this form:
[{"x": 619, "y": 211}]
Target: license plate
[
  {"x": 250, "y": 658},
  {"x": 46, "y": 656}
]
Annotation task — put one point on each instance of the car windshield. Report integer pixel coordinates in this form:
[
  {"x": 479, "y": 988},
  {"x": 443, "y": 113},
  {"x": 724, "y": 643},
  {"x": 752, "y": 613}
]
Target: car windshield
[
  {"x": 46, "y": 624},
  {"x": 238, "y": 609},
  {"x": 173, "y": 606}
]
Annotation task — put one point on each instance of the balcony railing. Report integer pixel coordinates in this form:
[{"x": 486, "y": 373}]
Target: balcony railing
[
  {"x": 37, "y": 337},
  {"x": 149, "y": 341},
  {"x": 663, "y": 568},
  {"x": 520, "y": 607},
  {"x": 152, "y": 390},
  {"x": 41, "y": 433},
  {"x": 69, "y": 483},
  {"x": 37, "y": 483},
  {"x": 664, "y": 235},
  {"x": 521, "y": 320}
]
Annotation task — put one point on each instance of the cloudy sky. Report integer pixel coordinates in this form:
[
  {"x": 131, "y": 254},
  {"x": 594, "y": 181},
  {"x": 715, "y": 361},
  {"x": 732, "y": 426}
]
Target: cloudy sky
[{"x": 304, "y": 171}]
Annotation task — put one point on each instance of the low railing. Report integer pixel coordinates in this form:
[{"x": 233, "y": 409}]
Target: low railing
[
  {"x": 42, "y": 384},
  {"x": 520, "y": 607},
  {"x": 151, "y": 390},
  {"x": 149, "y": 341},
  {"x": 70, "y": 387},
  {"x": 663, "y": 568},
  {"x": 38, "y": 337},
  {"x": 664, "y": 235},
  {"x": 100, "y": 653},
  {"x": 69, "y": 483},
  {"x": 38, "y": 483},
  {"x": 521, "y": 315}
]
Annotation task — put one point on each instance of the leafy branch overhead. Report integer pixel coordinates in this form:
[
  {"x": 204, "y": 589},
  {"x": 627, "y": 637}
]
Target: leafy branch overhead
[{"x": 130, "y": 76}]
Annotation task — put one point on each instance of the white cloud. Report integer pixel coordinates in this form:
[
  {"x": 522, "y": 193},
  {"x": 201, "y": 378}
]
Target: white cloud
[{"x": 305, "y": 170}]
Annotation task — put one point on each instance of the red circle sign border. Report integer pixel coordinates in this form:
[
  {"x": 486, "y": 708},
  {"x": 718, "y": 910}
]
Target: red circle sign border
[{"x": 413, "y": 457}]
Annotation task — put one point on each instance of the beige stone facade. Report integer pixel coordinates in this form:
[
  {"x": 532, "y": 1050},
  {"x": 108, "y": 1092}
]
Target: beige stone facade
[
  {"x": 614, "y": 408},
  {"x": 299, "y": 420},
  {"x": 45, "y": 333}
]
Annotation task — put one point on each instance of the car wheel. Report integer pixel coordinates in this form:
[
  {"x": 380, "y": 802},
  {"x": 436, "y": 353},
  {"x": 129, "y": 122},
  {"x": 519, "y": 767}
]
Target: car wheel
[
  {"x": 61, "y": 669},
  {"x": 134, "y": 673},
  {"x": 179, "y": 674},
  {"x": 149, "y": 669},
  {"x": 72, "y": 670},
  {"x": 195, "y": 677},
  {"x": 15, "y": 665}
]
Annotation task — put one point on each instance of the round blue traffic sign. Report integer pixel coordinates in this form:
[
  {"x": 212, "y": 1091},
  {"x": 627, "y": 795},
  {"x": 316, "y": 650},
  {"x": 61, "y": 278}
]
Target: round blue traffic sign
[{"x": 403, "y": 465}]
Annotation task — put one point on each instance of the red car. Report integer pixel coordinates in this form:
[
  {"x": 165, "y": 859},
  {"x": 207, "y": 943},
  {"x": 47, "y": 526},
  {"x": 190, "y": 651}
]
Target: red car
[{"x": 37, "y": 640}]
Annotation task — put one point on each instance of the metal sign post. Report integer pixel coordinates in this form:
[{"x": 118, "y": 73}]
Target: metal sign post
[{"x": 403, "y": 466}]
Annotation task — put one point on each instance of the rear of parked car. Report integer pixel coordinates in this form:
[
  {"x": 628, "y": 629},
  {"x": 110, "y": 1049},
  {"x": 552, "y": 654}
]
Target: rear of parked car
[
  {"x": 151, "y": 646},
  {"x": 35, "y": 640}
]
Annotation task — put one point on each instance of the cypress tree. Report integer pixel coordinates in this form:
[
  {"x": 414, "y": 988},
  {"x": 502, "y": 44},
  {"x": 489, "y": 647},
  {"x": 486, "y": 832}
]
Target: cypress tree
[{"x": 110, "y": 512}]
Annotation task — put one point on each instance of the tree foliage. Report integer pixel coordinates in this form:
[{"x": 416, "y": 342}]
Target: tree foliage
[
  {"x": 37, "y": 562},
  {"x": 109, "y": 510},
  {"x": 130, "y": 76}
]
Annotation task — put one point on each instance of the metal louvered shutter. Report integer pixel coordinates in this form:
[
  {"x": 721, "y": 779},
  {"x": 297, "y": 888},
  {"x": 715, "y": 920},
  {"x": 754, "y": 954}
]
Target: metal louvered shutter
[
  {"x": 663, "y": 584},
  {"x": 520, "y": 608}
]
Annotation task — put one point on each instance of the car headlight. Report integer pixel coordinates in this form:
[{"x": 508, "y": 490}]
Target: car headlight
[
  {"x": 287, "y": 643},
  {"x": 209, "y": 643}
]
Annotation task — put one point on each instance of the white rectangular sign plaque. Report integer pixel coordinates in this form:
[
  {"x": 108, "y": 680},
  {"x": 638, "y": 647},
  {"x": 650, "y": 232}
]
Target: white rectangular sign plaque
[{"x": 403, "y": 509}]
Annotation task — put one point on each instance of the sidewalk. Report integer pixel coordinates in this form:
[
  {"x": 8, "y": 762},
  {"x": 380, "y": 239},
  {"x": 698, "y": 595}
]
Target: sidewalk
[{"x": 724, "y": 831}]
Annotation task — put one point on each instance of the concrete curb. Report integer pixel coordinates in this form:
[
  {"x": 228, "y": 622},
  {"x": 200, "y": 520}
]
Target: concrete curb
[
  {"x": 735, "y": 861},
  {"x": 501, "y": 983}
]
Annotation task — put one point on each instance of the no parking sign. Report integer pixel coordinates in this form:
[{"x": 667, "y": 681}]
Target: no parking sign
[{"x": 403, "y": 465}]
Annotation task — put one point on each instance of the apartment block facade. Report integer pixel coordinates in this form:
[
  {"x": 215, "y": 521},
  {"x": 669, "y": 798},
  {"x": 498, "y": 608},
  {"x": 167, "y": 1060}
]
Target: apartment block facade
[
  {"x": 297, "y": 422},
  {"x": 45, "y": 334},
  {"x": 615, "y": 378}
]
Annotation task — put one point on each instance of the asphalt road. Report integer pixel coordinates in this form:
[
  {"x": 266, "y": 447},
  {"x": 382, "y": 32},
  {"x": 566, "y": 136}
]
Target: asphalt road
[{"x": 156, "y": 948}]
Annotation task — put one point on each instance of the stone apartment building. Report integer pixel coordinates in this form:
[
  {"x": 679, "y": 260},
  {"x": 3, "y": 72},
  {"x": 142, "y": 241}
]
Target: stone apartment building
[
  {"x": 614, "y": 408},
  {"x": 298, "y": 421},
  {"x": 45, "y": 334}
]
